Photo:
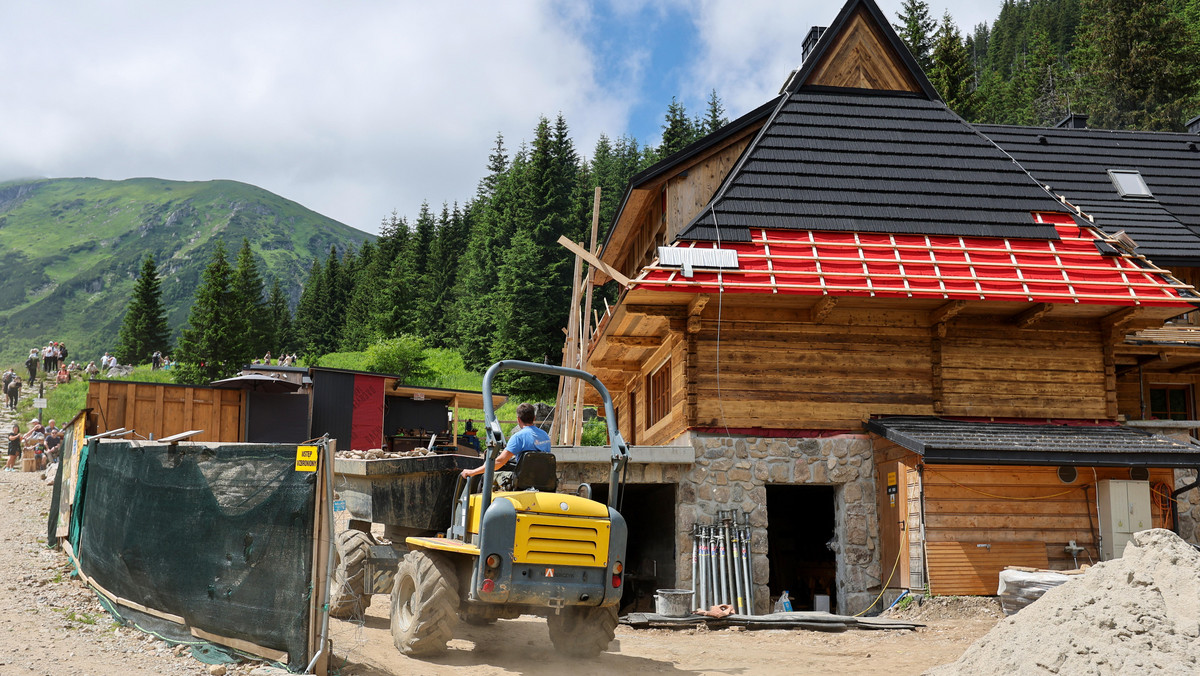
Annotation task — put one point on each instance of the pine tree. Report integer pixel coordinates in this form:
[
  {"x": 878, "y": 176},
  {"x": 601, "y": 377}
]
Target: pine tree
[
  {"x": 144, "y": 329},
  {"x": 309, "y": 313},
  {"x": 1137, "y": 64},
  {"x": 916, "y": 29},
  {"x": 714, "y": 118},
  {"x": 278, "y": 335},
  {"x": 678, "y": 131},
  {"x": 951, "y": 69},
  {"x": 248, "y": 312},
  {"x": 209, "y": 348}
]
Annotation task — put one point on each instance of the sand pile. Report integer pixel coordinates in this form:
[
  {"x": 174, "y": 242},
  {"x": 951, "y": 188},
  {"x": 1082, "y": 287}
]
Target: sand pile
[{"x": 1139, "y": 614}]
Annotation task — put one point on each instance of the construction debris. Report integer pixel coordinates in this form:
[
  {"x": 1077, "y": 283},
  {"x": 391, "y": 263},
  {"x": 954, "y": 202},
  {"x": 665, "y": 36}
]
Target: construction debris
[
  {"x": 380, "y": 454},
  {"x": 813, "y": 621},
  {"x": 1133, "y": 615}
]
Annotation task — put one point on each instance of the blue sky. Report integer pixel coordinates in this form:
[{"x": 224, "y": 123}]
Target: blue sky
[{"x": 358, "y": 109}]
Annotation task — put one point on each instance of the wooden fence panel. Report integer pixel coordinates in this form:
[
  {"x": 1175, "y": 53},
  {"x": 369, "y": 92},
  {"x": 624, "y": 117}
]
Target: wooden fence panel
[{"x": 162, "y": 409}]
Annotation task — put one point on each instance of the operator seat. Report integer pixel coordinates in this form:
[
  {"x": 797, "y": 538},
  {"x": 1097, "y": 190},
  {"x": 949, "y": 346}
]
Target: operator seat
[{"x": 536, "y": 470}]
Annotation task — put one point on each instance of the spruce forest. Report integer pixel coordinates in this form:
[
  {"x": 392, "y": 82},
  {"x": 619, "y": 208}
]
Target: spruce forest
[{"x": 485, "y": 276}]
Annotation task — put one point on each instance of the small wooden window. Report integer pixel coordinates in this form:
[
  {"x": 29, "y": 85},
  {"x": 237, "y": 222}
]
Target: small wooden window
[
  {"x": 658, "y": 393},
  {"x": 1171, "y": 402}
]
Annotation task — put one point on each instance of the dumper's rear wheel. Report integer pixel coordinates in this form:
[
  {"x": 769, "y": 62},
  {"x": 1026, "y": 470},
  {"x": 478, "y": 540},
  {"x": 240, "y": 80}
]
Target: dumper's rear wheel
[
  {"x": 424, "y": 603},
  {"x": 583, "y": 631},
  {"x": 348, "y": 599}
]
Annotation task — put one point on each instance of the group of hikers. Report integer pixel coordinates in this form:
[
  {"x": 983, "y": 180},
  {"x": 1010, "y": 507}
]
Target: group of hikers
[{"x": 43, "y": 441}]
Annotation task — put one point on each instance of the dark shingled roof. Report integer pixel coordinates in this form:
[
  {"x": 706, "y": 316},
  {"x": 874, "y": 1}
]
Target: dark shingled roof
[
  {"x": 857, "y": 160},
  {"x": 945, "y": 441},
  {"x": 1075, "y": 162}
]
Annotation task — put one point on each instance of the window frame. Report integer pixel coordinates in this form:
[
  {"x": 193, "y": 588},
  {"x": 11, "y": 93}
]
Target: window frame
[{"x": 658, "y": 393}]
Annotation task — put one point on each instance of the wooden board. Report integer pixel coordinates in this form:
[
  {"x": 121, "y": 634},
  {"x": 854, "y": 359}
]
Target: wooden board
[{"x": 973, "y": 568}]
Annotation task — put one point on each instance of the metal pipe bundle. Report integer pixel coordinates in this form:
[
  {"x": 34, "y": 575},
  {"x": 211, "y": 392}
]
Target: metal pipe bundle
[{"x": 721, "y": 564}]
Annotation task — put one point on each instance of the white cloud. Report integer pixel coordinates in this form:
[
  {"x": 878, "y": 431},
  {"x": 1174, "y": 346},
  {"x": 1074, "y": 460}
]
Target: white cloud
[{"x": 351, "y": 109}]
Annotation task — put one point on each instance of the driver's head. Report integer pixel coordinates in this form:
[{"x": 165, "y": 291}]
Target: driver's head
[{"x": 525, "y": 413}]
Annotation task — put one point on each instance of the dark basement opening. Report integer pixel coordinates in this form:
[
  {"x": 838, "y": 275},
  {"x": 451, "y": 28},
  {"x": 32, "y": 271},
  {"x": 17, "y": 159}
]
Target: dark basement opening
[
  {"x": 800, "y": 524},
  {"x": 649, "y": 512}
]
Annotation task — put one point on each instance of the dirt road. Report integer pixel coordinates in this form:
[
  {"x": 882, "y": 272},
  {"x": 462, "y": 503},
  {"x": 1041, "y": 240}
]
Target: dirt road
[{"x": 51, "y": 625}]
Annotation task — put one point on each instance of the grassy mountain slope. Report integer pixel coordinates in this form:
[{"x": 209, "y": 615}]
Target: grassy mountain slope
[{"x": 70, "y": 248}]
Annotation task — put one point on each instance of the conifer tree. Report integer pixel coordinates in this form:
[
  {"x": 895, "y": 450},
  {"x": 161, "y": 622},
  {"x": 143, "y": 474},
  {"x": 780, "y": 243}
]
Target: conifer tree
[
  {"x": 209, "y": 348},
  {"x": 714, "y": 118},
  {"x": 278, "y": 335},
  {"x": 1137, "y": 64},
  {"x": 248, "y": 311},
  {"x": 950, "y": 73},
  {"x": 917, "y": 29},
  {"x": 362, "y": 299},
  {"x": 678, "y": 130},
  {"x": 309, "y": 312},
  {"x": 144, "y": 329}
]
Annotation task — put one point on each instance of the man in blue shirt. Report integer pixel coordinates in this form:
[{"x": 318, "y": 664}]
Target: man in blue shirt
[{"x": 528, "y": 437}]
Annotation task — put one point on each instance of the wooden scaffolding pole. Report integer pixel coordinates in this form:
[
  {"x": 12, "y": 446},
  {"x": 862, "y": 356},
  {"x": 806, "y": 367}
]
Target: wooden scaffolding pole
[{"x": 577, "y": 421}]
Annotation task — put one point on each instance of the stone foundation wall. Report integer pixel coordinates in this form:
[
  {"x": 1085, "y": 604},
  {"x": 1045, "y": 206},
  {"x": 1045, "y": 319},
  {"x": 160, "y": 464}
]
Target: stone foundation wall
[
  {"x": 733, "y": 473},
  {"x": 1189, "y": 506}
]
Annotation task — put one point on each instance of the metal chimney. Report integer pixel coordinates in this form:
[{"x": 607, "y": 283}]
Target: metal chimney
[
  {"x": 1073, "y": 121},
  {"x": 810, "y": 41}
]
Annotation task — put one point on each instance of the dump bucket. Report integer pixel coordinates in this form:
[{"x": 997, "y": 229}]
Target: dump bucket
[{"x": 673, "y": 602}]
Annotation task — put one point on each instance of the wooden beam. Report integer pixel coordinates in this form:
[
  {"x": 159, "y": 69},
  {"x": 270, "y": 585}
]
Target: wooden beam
[
  {"x": 614, "y": 364},
  {"x": 697, "y": 305},
  {"x": 668, "y": 311},
  {"x": 635, "y": 341},
  {"x": 1120, "y": 317},
  {"x": 822, "y": 308},
  {"x": 947, "y": 312},
  {"x": 595, "y": 262},
  {"x": 1032, "y": 315}
]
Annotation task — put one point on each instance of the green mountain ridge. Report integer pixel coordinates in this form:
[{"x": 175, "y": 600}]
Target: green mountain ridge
[{"x": 70, "y": 249}]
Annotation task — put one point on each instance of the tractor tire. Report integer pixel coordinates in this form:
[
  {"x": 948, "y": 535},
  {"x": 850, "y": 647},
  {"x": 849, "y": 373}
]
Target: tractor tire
[
  {"x": 583, "y": 631},
  {"x": 348, "y": 599},
  {"x": 424, "y": 603}
]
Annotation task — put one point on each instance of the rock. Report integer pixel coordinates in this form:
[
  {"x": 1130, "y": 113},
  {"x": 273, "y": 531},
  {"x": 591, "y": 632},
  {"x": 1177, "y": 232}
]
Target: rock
[{"x": 217, "y": 669}]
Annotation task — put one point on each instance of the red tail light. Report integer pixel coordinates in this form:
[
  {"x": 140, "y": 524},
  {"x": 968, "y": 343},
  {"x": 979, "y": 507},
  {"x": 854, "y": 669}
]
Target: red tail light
[
  {"x": 487, "y": 586},
  {"x": 616, "y": 581}
]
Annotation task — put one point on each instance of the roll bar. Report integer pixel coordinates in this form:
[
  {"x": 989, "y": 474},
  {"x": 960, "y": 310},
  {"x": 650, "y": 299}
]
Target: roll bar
[{"x": 620, "y": 451}]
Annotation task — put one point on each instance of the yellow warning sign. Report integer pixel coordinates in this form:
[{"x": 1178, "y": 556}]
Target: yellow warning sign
[{"x": 306, "y": 458}]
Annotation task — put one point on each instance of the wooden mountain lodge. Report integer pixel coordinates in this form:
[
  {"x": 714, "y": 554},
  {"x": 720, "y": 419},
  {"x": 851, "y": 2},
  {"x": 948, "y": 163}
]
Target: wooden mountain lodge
[{"x": 912, "y": 350}]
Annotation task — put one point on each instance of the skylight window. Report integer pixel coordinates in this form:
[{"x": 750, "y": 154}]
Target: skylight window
[{"x": 1129, "y": 183}]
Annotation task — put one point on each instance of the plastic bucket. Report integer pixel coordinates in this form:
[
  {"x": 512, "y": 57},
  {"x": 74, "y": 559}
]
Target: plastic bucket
[{"x": 673, "y": 602}]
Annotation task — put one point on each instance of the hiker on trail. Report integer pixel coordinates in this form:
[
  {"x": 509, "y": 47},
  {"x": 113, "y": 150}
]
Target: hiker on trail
[
  {"x": 14, "y": 448},
  {"x": 267, "y": 358},
  {"x": 13, "y": 391},
  {"x": 35, "y": 440},
  {"x": 91, "y": 369},
  {"x": 64, "y": 376},
  {"x": 31, "y": 363},
  {"x": 156, "y": 361},
  {"x": 62, "y": 352},
  {"x": 8, "y": 376},
  {"x": 48, "y": 358}
]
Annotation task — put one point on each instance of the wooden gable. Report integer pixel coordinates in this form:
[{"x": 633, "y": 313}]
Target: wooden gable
[{"x": 862, "y": 57}]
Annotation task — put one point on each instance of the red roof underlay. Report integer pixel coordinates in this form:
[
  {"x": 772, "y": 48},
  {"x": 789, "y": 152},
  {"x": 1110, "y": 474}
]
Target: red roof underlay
[{"x": 809, "y": 262}]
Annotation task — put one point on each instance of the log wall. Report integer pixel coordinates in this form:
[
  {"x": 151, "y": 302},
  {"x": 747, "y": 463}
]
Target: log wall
[{"x": 161, "y": 409}]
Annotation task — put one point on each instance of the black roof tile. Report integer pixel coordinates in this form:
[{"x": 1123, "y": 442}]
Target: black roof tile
[
  {"x": 1074, "y": 162},
  {"x": 874, "y": 162},
  {"x": 947, "y": 441}
]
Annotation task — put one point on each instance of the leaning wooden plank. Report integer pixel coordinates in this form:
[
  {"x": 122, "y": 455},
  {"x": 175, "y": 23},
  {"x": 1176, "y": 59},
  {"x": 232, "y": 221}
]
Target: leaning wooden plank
[{"x": 243, "y": 646}]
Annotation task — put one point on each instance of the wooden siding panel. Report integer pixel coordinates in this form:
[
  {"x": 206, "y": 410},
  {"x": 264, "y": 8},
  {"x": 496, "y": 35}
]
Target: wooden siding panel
[
  {"x": 688, "y": 194},
  {"x": 990, "y": 504},
  {"x": 973, "y": 568}
]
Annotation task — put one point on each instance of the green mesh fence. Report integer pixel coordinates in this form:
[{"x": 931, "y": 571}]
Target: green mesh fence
[{"x": 221, "y": 536}]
